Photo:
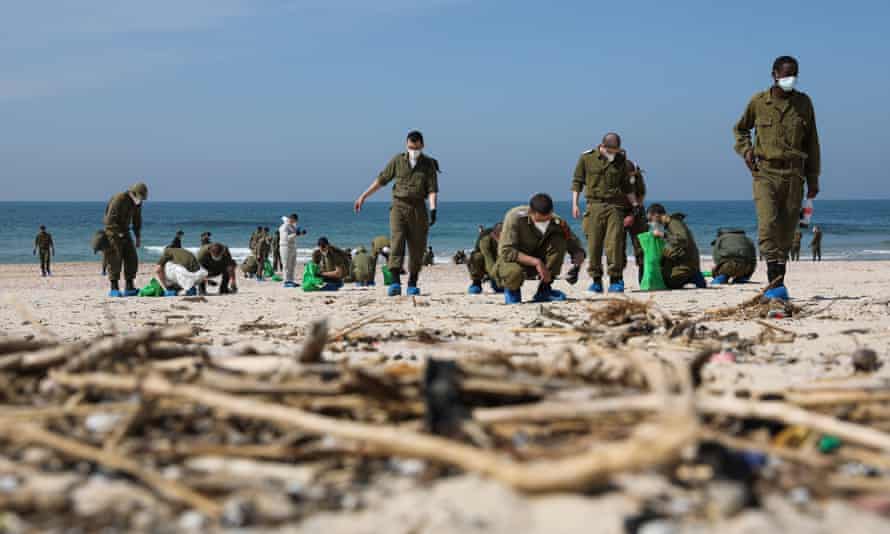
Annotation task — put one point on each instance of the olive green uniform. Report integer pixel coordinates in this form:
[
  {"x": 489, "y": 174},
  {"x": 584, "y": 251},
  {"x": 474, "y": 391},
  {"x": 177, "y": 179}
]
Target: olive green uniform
[
  {"x": 816, "y": 246},
  {"x": 786, "y": 151},
  {"x": 638, "y": 187},
  {"x": 43, "y": 244},
  {"x": 734, "y": 254},
  {"x": 795, "y": 246},
  {"x": 520, "y": 235},
  {"x": 680, "y": 262},
  {"x": 377, "y": 245},
  {"x": 607, "y": 186},
  {"x": 215, "y": 267},
  {"x": 428, "y": 257},
  {"x": 262, "y": 245},
  {"x": 180, "y": 256},
  {"x": 121, "y": 214},
  {"x": 482, "y": 260},
  {"x": 459, "y": 258},
  {"x": 408, "y": 220},
  {"x": 249, "y": 266},
  {"x": 276, "y": 251},
  {"x": 362, "y": 266},
  {"x": 331, "y": 260}
]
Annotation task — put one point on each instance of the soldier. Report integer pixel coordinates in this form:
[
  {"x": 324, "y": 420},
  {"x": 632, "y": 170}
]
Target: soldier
[
  {"x": 816, "y": 244},
  {"x": 603, "y": 172},
  {"x": 459, "y": 258},
  {"x": 429, "y": 258},
  {"x": 795, "y": 246},
  {"x": 416, "y": 180},
  {"x": 217, "y": 260},
  {"x": 124, "y": 211},
  {"x": 681, "y": 262},
  {"x": 177, "y": 240},
  {"x": 249, "y": 266},
  {"x": 205, "y": 238},
  {"x": 169, "y": 279},
  {"x": 362, "y": 267},
  {"x": 483, "y": 259},
  {"x": 276, "y": 251},
  {"x": 639, "y": 225},
  {"x": 253, "y": 237},
  {"x": 380, "y": 247},
  {"x": 735, "y": 258},
  {"x": 333, "y": 265},
  {"x": 533, "y": 243},
  {"x": 261, "y": 247},
  {"x": 43, "y": 242},
  {"x": 784, "y": 155}
]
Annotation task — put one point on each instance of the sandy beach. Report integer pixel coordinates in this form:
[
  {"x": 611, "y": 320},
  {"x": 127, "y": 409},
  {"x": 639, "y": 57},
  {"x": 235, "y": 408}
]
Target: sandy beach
[{"x": 845, "y": 303}]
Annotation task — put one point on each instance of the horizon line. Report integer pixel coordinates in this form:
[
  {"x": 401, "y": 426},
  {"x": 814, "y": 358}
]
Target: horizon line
[{"x": 382, "y": 201}]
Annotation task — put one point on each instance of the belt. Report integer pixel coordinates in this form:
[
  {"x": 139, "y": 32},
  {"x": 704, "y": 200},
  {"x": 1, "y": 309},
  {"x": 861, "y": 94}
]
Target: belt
[
  {"x": 792, "y": 163},
  {"x": 608, "y": 200},
  {"x": 408, "y": 200}
]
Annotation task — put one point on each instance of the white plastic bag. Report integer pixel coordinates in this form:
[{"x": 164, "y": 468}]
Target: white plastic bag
[{"x": 182, "y": 277}]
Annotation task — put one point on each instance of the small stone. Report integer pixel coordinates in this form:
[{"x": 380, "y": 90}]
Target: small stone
[
  {"x": 192, "y": 521},
  {"x": 101, "y": 423},
  {"x": 865, "y": 360},
  {"x": 725, "y": 499},
  {"x": 659, "y": 526}
]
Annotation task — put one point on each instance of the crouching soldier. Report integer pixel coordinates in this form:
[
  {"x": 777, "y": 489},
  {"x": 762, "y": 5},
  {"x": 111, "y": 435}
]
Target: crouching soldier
[
  {"x": 178, "y": 270},
  {"x": 249, "y": 266},
  {"x": 333, "y": 265},
  {"x": 362, "y": 268},
  {"x": 483, "y": 259},
  {"x": 533, "y": 244},
  {"x": 217, "y": 260},
  {"x": 735, "y": 258},
  {"x": 680, "y": 262}
]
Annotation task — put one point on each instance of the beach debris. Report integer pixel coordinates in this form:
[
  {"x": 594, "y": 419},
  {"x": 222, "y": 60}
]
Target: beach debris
[{"x": 865, "y": 360}]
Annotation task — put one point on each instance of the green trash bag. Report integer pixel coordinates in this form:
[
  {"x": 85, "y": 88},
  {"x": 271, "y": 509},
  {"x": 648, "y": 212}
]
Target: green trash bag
[
  {"x": 153, "y": 289},
  {"x": 277, "y": 278},
  {"x": 387, "y": 275},
  {"x": 652, "y": 249},
  {"x": 312, "y": 280},
  {"x": 267, "y": 269}
]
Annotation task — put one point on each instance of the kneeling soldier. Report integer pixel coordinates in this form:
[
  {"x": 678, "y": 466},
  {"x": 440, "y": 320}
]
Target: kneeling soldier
[
  {"x": 734, "y": 257},
  {"x": 217, "y": 260},
  {"x": 680, "y": 262}
]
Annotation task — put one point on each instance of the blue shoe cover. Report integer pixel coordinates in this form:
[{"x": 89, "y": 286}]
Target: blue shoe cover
[
  {"x": 170, "y": 292},
  {"x": 496, "y": 288},
  {"x": 413, "y": 291},
  {"x": 259, "y": 278},
  {"x": 742, "y": 280},
  {"x": 191, "y": 292},
  {"x": 719, "y": 280},
  {"x": 370, "y": 284},
  {"x": 359, "y": 284},
  {"x": 595, "y": 287},
  {"x": 474, "y": 290},
  {"x": 699, "y": 280},
  {"x": 131, "y": 292},
  {"x": 512, "y": 296},
  {"x": 394, "y": 290},
  {"x": 557, "y": 295},
  {"x": 780, "y": 293},
  {"x": 115, "y": 293},
  {"x": 616, "y": 287}
]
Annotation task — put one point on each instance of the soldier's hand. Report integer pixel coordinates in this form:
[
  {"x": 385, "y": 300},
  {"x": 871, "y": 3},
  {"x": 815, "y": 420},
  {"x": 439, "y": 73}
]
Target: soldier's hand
[
  {"x": 543, "y": 271},
  {"x": 576, "y": 211},
  {"x": 629, "y": 221},
  {"x": 749, "y": 161},
  {"x": 812, "y": 191},
  {"x": 358, "y": 204},
  {"x": 432, "y": 217}
]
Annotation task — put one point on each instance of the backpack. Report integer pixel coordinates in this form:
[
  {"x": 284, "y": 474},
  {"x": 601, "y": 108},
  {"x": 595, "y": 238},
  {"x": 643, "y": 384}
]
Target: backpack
[{"x": 733, "y": 244}]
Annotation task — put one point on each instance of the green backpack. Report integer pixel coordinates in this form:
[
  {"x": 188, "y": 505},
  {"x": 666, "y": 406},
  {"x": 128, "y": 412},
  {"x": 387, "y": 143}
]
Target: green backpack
[{"x": 733, "y": 244}]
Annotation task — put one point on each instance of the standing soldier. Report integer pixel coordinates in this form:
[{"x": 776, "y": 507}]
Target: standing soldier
[
  {"x": 253, "y": 238},
  {"x": 276, "y": 251},
  {"x": 603, "y": 171},
  {"x": 262, "y": 247},
  {"x": 816, "y": 244},
  {"x": 124, "y": 211},
  {"x": 416, "y": 180},
  {"x": 795, "y": 246},
  {"x": 43, "y": 242},
  {"x": 785, "y": 154},
  {"x": 639, "y": 224}
]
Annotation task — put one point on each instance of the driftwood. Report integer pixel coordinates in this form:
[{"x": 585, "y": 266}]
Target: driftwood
[
  {"x": 550, "y": 411},
  {"x": 104, "y": 348}
]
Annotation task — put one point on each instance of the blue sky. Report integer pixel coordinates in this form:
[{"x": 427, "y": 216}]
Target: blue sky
[{"x": 306, "y": 100}]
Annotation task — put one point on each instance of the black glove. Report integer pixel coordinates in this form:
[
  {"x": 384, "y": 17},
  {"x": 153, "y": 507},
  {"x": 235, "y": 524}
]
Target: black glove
[
  {"x": 432, "y": 217},
  {"x": 638, "y": 211}
]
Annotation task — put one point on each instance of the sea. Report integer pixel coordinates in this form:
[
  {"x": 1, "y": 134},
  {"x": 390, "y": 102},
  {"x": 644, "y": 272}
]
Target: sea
[{"x": 852, "y": 229}]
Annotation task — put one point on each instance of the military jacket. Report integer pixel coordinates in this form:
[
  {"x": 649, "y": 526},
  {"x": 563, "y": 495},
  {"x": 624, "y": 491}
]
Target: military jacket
[
  {"x": 215, "y": 266},
  {"x": 43, "y": 241},
  {"x": 411, "y": 185},
  {"x": 121, "y": 213},
  {"x": 520, "y": 235},
  {"x": 603, "y": 180}
]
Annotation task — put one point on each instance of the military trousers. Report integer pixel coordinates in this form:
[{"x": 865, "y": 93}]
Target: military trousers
[
  {"x": 121, "y": 251},
  {"x": 777, "y": 196},
  {"x": 511, "y": 275},
  {"x": 603, "y": 225},
  {"x": 817, "y": 254},
  {"x": 476, "y": 267},
  {"x": 408, "y": 227},
  {"x": 276, "y": 259},
  {"x": 44, "y": 259}
]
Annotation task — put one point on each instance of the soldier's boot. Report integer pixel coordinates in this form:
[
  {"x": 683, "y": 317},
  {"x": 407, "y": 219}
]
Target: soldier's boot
[
  {"x": 616, "y": 286},
  {"x": 370, "y": 284},
  {"x": 170, "y": 292},
  {"x": 475, "y": 288},
  {"x": 115, "y": 290},
  {"x": 130, "y": 289},
  {"x": 596, "y": 286},
  {"x": 545, "y": 293},
  {"x": 572, "y": 275},
  {"x": 192, "y": 292},
  {"x": 776, "y": 271},
  {"x": 742, "y": 280},
  {"x": 699, "y": 280},
  {"x": 512, "y": 296},
  {"x": 495, "y": 287}
]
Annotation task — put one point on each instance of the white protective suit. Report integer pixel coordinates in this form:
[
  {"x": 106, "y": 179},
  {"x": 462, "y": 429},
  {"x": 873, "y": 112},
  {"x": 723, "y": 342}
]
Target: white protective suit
[
  {"x": 287, "y": 234},
  {"x": 182, "y": 277}
]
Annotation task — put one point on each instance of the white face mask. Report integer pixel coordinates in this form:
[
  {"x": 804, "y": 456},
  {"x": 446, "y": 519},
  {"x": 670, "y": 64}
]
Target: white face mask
[
  {"x": 610, "y": 156},
  {"x": 542, "y": 226},
  {"x": 215, "y": 258},
  {"x": 787, "y": 83},
  {"x": 414, "y": 154}
]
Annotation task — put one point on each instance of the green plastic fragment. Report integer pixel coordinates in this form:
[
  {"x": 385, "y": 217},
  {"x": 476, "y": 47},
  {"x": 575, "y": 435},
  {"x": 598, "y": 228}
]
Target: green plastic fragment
[
  {"x": 829, "y": 444},
  {"x": 652, "y": 249},
  {"x": 268, "y": 272}
]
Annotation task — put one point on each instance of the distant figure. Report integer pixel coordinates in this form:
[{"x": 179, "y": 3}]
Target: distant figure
[
  {"x": 276, "y": 251},
  {"x": 459, "y": 258},
  {"x": 816, "y": 244},
  {"x": 123, "y": 212},
  {"x": 795, "y": 246},
  {"x": 288, "y": 233},
  {"x": 429, "y": 258},
  {"x": 43, "y": 243},
  {"x": 217, "y": 260},
  {"x": 262, "y": 245},
  {"x": 681, "y": 261},
  {"x": 735, "y": 258},
  {"x": 362, "y": 267},
  {"x": 205, "y": 238},
  {"x": 783, "y": 156},
  {"x": 253, "y": 237},
  {"x": 249, "y": 266},
  {"x": 177, "y": 240},
  {"x": 483, "y": 259}
]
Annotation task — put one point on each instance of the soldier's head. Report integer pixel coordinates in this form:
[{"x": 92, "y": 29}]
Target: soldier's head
[
  {"x": 610, "y": 148},
  {"x": 323, "y": 244},
  {"x": 216, "y": 251},
  {"x": 414, "y": 142},
  {"x": 180, "y": 233},
  {"x": 292, "y": 218},
  {"x": 785, "y": 70},
  {"x": 655, "y": 213},
  {"x": 259, "y": 228},
  {"x": 266, "y": 229},
  {"x": 139, "y": 193},
  {"x": 496, "y": 231},
  {"x": 42, "y": 228},
  {"x": 540, "y": 207}
]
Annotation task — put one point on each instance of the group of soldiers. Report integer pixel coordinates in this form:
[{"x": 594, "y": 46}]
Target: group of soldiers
[{"x": 815, "y": 245}]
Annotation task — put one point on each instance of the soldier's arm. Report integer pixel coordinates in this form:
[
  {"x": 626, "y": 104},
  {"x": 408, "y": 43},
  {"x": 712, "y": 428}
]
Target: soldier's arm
[
  {"x": 814, "y": 157},
  {"x": 742, "y": 130},
  {"x": 137, "y": 223},
  {"x": 508, "y": 247},
  {"x": 52, "y": 245},
  {"x": 113, "y": 210},
  {"x": 578, "y": 182},
  {"x": 489, "y": 254},
  {"x": 676, "y": 241},
  {"x": 575, "y": 248},
  {"x": 432, "y": 187}
]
